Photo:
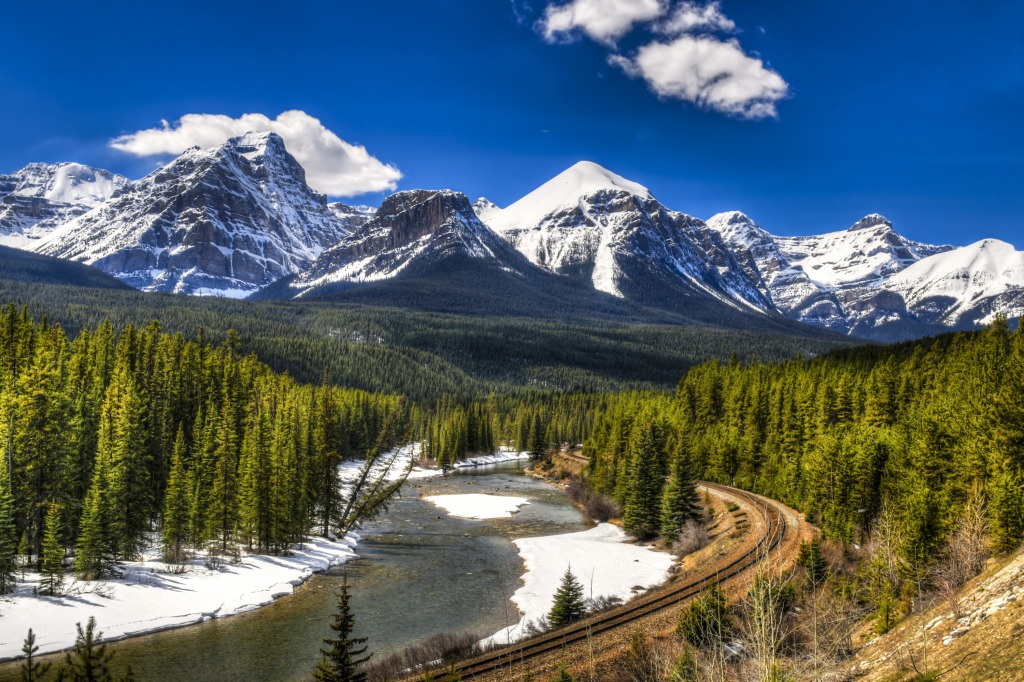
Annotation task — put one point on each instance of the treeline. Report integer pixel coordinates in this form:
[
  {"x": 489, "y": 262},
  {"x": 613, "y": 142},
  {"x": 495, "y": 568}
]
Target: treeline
[
  {"x": 915, "y": 431},
  {"x": 426, "y": 355},
  {"x": 116, "y": 434},
  {"x": 532, "y": 422}
]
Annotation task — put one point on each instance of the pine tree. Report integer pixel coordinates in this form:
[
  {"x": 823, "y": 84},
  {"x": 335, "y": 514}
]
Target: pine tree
[
  {"x": 641, "y": 514},
  {"x": 341, "y": 660},
  {"x": 94, "y": 557},
  {"x": 679, "y": 501},
  {"x": 706, "y": 622},
  {"x": 88, "y": 661},
  {"x": 52, "y": 579},
  {"x": 8, "y": 534},
  {"x": 562, "y": 675},
  {"x": 813, "y": 561},
  {"x": 31, "y": 669},
  {"x": 176, "y": 503},
  {"x": 569, "y": 605}
]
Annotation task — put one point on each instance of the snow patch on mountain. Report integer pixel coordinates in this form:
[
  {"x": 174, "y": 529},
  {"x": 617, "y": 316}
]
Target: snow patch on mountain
[
  {"x": 485, "y": 208},
  {"x": 41, "y": 196}
]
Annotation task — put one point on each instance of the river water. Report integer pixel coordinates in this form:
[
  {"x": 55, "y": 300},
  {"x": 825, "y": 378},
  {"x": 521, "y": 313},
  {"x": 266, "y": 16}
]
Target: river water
[{"x": 420, "y": 572}]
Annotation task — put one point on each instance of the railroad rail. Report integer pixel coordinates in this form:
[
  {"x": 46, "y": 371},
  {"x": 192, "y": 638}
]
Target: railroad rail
[{"x": 519, "y": 653}]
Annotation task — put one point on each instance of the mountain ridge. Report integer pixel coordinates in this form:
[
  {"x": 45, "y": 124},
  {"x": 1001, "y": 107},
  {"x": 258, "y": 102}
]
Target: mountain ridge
[{"x": 239, "y": 218}]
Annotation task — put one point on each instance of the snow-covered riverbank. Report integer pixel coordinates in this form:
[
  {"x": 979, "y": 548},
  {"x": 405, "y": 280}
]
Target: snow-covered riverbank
[
  {"x": 150, "y": 597},
  {"x": 601, "y": 558}
]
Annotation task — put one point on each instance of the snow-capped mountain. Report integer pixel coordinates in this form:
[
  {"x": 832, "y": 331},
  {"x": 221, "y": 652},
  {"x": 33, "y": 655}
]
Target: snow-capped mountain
[
  {"x": 412, "y": 231},
  {"x": 964, "y": 286},
  {"x": 41, "y": 196},
  {"x": 871, "y": 281},
  {"x": 592, "y": 224},
  {"x": 225, "y": 221},
  {"x": 236, "y": 218}
]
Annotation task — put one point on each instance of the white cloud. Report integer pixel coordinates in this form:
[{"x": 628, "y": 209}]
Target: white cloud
[
  {"x": 333, "y": 166},
  {"x": 709, "y": 72},
  {"x": 605, "y": 21},
  {"x": 691, "y": 16}
]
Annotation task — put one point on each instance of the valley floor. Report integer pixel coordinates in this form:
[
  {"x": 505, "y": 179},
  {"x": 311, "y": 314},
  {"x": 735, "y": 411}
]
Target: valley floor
[{"x": 152, "y": 596}]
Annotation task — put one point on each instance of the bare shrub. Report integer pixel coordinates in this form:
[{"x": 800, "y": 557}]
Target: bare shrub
[
  {"x": 437, "y": 651},
  {"x": 597, "y": 507},
  {"x": 964, "y": 554},
  {"x": 644, "y": 661},
  {"x": 692, "y": 537},
  {"x": 601, "y": 604},
  {"x": 532, "y": 628}
]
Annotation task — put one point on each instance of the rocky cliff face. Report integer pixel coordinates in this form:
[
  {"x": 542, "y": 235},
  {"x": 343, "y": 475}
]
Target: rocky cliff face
[
  {"x": 411, "y": 230},
  {"x": 222, "y": 221}
]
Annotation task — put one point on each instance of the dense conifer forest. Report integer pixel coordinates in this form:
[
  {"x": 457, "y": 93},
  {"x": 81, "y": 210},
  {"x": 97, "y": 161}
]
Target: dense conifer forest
[
  {"x": 117, "y": 433},
  {"x": 425, "y": 355}
]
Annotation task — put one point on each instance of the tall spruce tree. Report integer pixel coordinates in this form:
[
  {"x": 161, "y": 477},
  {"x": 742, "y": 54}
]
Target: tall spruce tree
[
  {"x": 679, "y": 501},
  {"x": 176, "y": 503},
  {"x": 641, "y": 515},
  {"x": 340, "y": 661},
  {"x": 94, "y": 557},
  {"x": 569, "y": 606},
  {"x": 51, "y": 581},
  {"x": 8, "y": 534}
]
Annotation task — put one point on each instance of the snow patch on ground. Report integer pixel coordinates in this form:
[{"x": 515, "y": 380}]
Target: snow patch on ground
[
  {"x": 601, "y": 558},
  {"x": 149, "y": 598},
  {"x": 478, "y": 505}
]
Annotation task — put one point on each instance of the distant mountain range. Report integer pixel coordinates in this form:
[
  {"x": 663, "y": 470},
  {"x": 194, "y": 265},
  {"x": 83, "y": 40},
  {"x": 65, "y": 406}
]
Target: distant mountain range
[{"x": 239, "y": 220}]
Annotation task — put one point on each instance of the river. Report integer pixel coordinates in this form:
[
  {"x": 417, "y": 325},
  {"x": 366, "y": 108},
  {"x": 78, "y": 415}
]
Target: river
[{"x": 419, "y": 572}]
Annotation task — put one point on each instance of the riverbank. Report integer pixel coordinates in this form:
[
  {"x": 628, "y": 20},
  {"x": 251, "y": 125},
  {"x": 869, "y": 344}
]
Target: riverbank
[{"x": 151, "y": 596}]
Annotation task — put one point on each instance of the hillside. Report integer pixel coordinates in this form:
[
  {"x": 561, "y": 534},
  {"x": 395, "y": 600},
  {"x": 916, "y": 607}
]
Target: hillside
[
  {"x": 983, "y": 641},
  {"x": 31, "y": 268},
  {"x": 425, "y": 354}
]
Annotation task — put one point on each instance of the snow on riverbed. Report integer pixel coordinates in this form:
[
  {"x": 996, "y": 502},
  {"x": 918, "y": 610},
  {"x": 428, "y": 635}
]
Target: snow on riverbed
[
  {"x": 602, "y": 560},
  {"x": 149, "y": 598},
  {"x": 478, "y": 505}
]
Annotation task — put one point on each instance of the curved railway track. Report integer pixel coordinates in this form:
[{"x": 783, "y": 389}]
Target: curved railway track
[{"x": 522, "y": 652}]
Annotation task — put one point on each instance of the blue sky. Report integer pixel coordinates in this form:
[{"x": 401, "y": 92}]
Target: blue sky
[{"x": 909, "y": 109}]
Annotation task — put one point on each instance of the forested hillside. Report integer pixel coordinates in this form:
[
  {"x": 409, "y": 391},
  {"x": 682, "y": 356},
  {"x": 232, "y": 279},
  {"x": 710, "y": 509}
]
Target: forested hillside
[
  {"x": 116, "y": 433},
  {"x": 425, "y": 355},
  {"x": 918, "y": 428}
]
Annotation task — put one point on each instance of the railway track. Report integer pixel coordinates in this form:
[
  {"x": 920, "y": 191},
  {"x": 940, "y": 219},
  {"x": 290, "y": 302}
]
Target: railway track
[{"x": 518, "y": 654}]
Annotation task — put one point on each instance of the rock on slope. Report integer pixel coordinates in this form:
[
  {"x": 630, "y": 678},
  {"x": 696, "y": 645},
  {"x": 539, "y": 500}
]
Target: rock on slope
[
  {"x": 224, "y": 221},
  {"x": 40, "y": 196}
]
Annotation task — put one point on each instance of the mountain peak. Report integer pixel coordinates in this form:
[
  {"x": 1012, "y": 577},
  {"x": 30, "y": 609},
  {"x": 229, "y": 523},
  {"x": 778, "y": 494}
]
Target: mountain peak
[
  {"x": 485, "y": 208},
  {"x": 563, "y": 192},
  {"x": 731, "y": 218},
  {"x": 869, "y": 221},
  {"x": 586, "y": 177},
  {"x": 254, "y": 144}
]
